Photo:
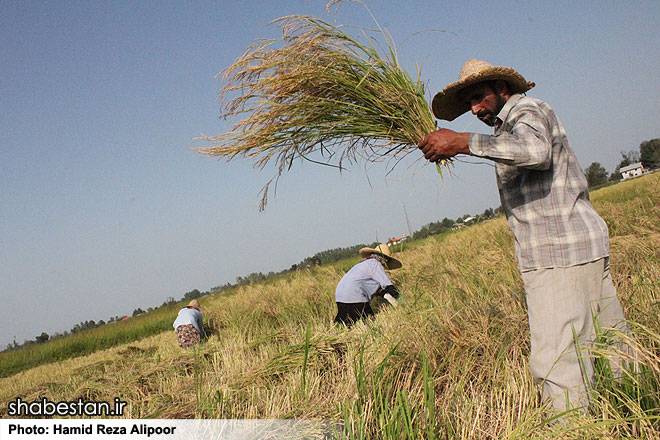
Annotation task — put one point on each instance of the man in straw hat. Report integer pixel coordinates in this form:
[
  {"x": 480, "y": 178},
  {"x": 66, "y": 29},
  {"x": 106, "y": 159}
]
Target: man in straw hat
[
  {"x": 363, "y": 281},
  {"x": 189, "y": 325},
  {"x": 561, "y": 243}
]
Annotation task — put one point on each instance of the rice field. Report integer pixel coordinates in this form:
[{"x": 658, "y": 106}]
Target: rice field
[
  {"x": 88, "y": 341},
  {"x": 449, "y": 363}
]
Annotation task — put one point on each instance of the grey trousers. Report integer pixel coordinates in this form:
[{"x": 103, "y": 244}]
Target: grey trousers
[{"x": 562, "y": 304}]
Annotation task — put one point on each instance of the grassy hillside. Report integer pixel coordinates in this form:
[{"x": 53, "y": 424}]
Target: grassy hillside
[{"x": 451, "y": 362}]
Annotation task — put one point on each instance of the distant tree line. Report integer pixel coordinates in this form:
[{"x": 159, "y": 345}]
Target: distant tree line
[
  {"x": 318, "y": 259},
  {"x": 648, "y": 154},
  {"x": 331, "y": 256},
  {"x": 447, "y": 224},
  {"x": 82, "y": 326}
]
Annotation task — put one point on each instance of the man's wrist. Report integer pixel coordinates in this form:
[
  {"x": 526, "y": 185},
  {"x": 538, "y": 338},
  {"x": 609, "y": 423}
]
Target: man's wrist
[
  {"x": 477, "y": 144},
  {"x": 464, "y": 143}
]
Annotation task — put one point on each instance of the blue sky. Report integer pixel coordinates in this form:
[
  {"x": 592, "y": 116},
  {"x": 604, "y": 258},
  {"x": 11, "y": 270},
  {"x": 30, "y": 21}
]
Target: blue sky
[{"x": 104, "y": 207}]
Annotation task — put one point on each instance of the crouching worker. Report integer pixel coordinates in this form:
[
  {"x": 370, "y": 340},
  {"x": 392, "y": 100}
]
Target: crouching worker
[
  {"x": 188, "y": 325},
  {"x": 363, "y": 281}
]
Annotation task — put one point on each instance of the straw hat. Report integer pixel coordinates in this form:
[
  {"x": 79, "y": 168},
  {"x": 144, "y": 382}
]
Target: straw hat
[
  {"x": 384, "y": 250},
  {"x": 195, "y": 305},
  {"x": 447, "y": 106}
]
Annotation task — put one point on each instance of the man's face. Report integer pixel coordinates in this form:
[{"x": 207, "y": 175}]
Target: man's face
[{"x": 484, "y": 102}]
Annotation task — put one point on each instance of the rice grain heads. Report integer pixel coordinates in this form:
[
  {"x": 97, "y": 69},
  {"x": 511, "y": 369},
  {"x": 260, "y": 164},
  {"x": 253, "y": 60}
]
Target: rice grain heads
[{"x": 319, "y": 94}]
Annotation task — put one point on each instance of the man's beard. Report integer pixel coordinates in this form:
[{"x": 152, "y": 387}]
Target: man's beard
[{"x": 487, "y": 116}]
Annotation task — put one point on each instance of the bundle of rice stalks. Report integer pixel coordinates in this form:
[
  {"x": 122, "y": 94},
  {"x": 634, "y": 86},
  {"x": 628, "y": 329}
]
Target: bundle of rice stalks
[{"x": 318, "y": 94}]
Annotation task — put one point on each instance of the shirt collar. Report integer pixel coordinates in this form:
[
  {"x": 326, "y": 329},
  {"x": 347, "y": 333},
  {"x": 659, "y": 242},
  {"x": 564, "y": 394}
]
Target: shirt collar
[{"x": 504, "y": 113}]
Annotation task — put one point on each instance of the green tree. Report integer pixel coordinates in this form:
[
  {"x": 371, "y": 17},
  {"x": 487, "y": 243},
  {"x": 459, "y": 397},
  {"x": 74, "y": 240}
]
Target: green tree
[
  {"x": 650, "y": 153},
  {"x": 423, "y": 232},
  {"x": 596, "y": 174},
  {"x": 629, "y": 158},
  {"x": 43, "y": 337},
  {"x": 193, "y": 294},
  {"x": 447, "y": 223}
]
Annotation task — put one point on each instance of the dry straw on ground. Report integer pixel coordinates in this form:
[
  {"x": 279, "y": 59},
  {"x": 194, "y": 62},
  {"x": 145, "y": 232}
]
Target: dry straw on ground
[
  {"x": 449, "y": 363},
  {"x": 320, "y": 94}
]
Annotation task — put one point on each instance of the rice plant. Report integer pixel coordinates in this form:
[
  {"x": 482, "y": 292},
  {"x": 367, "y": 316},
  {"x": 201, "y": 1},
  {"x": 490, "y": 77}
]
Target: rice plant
[
  {"x": 449, "y": 363},
  {"x": 320, "y": 94}
]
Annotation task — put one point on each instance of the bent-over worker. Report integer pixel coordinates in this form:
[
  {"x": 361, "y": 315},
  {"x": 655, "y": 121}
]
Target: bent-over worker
[
  {"x": 364, "y": 280},
  {"x": 189, "y": 325}
]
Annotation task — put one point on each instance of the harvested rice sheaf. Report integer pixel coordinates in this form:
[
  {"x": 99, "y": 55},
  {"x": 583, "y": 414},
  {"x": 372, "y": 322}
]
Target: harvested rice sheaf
[{"x": 318, "y": 94}]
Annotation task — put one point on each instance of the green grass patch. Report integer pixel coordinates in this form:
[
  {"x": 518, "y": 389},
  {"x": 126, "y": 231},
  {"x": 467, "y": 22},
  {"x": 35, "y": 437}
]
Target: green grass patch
[{"x": 88, "y": 341}]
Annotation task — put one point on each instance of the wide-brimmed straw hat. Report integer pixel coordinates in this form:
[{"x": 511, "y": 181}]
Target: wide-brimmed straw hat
[
  {"x": 384, "y": 250},
  {"x": 446, "y": 104},
  {"x": 195, "y": 305}
]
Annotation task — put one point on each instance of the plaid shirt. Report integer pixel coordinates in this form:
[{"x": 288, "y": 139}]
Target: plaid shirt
[{"x": 542, "y": 187}]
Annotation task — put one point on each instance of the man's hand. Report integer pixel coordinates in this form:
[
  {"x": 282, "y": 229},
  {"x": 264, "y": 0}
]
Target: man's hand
[
  {"x": 393, "y": 291},
  {"x": 443, "y": 144}
]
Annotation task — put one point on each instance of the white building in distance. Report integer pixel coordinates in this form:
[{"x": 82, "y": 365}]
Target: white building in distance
[{"x": 632, "y": 170}]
